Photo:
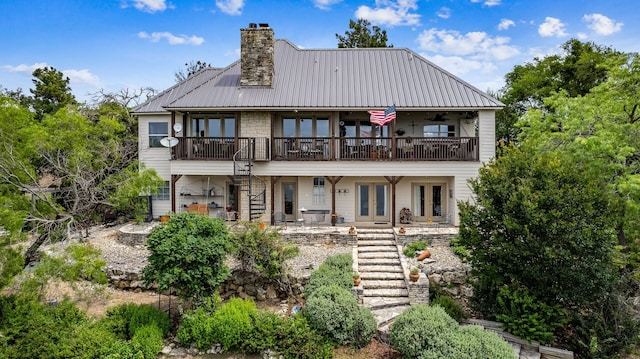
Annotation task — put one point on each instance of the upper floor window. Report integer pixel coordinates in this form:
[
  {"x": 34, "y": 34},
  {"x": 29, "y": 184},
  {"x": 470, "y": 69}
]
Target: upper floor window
[
  {"x": 213, "y": 126},
  {"x": 157, "y": 131},
  {"x": 439, "y": 131},
  {"x": 311, "y": 126}
]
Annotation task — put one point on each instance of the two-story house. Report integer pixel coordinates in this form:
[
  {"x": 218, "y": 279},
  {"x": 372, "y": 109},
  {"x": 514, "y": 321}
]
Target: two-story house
[{"x": 286, "y": 129}]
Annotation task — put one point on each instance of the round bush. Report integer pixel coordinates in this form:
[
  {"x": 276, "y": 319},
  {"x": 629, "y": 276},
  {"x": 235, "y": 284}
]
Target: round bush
[
  {"x": 418, "y": 327},
  {"x": 334, "y": 312},
  {"x": 335, "y": 270},
  {"x": 232, "y": 322},
  {"x": 450, "y": 306}
]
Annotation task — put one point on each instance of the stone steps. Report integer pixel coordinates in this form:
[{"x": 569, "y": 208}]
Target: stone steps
[
  {"x": 375, "y": 303},
  {"x": 379, "y": 268},
  {"x": 367, "y": 255},
  {"x": 376, "y": 242},
  {"x": 384, "y": 288},
  {"x": 383, "y": 284}
]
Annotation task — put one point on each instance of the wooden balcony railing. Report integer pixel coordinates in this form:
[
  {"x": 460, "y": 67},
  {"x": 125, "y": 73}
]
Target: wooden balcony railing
[
  {"x": 379, "y": 149},
  {"x": 220, "y": 148},
  {"x": 330, "y": 149}
]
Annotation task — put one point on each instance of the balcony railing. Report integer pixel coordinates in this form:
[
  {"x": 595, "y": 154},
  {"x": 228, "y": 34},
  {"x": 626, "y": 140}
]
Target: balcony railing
[
  {"x": 220, "y": 148},
  {"x": 378, "y": 149},
  {"x": 330, "y": 149}
]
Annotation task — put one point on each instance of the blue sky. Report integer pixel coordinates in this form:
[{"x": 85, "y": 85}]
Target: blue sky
[{"x": 120, "y": 44}]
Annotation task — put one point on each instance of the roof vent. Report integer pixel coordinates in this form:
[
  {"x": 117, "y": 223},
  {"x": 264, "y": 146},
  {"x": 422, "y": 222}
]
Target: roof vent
[
  {"x": 252, "y": 25},
  {"x": 264, "y": 24}
]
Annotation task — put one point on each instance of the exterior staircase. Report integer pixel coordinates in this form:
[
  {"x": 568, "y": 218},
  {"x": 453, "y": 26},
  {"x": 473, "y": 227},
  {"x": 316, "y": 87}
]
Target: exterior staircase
[
  {"x": 384, "y": 287},
  {"x": 245, "y": 181}
]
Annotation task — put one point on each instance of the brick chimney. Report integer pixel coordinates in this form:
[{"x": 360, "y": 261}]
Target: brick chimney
[{"x": 256, "y": 55}]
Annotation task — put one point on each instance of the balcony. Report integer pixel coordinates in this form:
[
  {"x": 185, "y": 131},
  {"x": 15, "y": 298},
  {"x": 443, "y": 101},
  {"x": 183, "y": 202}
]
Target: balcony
[
  {"x": 378, "y": 149},
  {"x": 330, "y": 149}
]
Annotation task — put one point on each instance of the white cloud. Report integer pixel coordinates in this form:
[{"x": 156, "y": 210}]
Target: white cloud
[
  {"x": 325, "y": 4},
  {"x": 230, "y": 7},
  {"x": 551, "y": 27},
  {"x": 444, "y": 12},
  {"x": 172, "y": 39},
  {"x": 83, "y": 77},
  {"x": 459, "y": 66},
  {"x": 582, "y": 36},
  {"x": 390, "y": 13},
  {"x": 25, "y": 69},
  {"x": 488, "y": 2},
  {"x": 505, "y": 24},
  {"x": 150, "y": 5},
  {"x": 476, "y": 44},
  {"x": 601, "y": 24}
]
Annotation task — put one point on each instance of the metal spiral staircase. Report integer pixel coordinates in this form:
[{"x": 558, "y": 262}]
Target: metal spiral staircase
[{"x": 246, "y": 181}]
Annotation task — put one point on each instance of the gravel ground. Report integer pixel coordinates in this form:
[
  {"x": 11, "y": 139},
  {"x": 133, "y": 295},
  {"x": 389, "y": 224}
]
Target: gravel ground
[{"x": 134, "y": 258}]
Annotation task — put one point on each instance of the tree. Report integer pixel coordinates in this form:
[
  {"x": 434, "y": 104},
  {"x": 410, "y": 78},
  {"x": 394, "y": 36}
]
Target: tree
[
  {"x": 51, "y": 92},
  {"x": 542, "y": 231},
  {"x": 188, "y": 255},
  {"x": 580, "y": 67},
  {"x": 61, "y": 173},
  {"x": 363, "y": 35},
  {"x": 192, "y": 68}
]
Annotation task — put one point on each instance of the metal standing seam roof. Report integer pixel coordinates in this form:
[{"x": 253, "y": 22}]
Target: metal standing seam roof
[
  {"x": 362, "y": 78},
  {"x": 155, "y": 103}
]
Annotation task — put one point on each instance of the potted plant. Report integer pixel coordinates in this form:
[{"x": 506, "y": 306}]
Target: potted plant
[
  {"x": 356, "y": 278},
  {"x": 414, "y": 275}
]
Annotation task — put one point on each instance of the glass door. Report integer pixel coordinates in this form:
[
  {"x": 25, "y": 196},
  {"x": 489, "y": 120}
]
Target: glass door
[
  {"x": 372, "y": 202},
  {"x": 428, "y": 201},
  {"x": 289, "y": 200}
]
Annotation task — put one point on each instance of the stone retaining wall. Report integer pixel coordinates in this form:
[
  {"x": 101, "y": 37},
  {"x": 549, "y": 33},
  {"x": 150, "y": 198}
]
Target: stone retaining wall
[{"x": 304, "y": 238}]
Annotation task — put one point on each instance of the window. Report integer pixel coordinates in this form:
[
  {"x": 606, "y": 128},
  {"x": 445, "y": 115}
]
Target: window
[
  {"x": 163, "y": 192},
  {"x": 213, "y": 126},
  {"x": 439, "y": 131},
  {"x": 157, "y": 131},
  {"x": 318, "y": 190},
  {"x": 305, "y": 127}
]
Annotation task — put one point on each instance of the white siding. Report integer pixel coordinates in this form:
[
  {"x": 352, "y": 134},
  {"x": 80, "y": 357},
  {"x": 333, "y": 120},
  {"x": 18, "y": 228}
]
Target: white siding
[{"x": 487, "y": 134}]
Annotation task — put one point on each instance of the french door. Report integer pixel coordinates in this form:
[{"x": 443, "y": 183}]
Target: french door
[
  {"x": 428, "y": 201},
  {"x": 290, "y": 200},
  {"x": 372, "y": 203}
]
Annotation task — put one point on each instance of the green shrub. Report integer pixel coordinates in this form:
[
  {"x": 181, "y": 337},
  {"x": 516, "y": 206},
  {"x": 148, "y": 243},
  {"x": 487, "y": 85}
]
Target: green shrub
[
  {"x": 336, "y": 270},
  {"x": 122, "y": 349},
  {"x": 334, "y": 313},
  {"x": 264, "y": 335},
  {"x": 147, "y": 340},
  {"x": 450, "y": 306},
  {"x": 196, "y": 329},
  {"x": 470, "y": 342},
  {"x": 263, "y": 252},
  {"x": 298, "y": 340},
  {"x": 144, "y": 315},
  {"x": 232, "y": 322},
  {"x": 526, "y": 317},
  {"x": 125, "y": 319},
  {"x": 411, "y": 249},
  {"x": 418, "y": 328}
]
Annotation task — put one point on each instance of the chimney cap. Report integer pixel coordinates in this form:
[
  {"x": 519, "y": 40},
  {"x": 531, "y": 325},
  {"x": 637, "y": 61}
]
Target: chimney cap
[
  {"x": 264, "y": 24},
  {"x": 252, "y": 25}
]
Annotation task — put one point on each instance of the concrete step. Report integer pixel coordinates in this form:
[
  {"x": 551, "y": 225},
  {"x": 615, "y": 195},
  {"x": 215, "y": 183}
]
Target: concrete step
[
  {"x": 383, "y": 276},
  {"x": 393, "y": 254},
  {"x": 393, "y": 292},
  {"x": 387, "y": 315},
  {"x": 381, "y": 284},
  {"x": 375, "y": 303},
  {"x": 377, "y": 242},
  {"x": 363, "y": 249},
  {"x": 380, "y": 268},
  {"x": 374, "y": 236},
  {"x": 378, "y": 261}
]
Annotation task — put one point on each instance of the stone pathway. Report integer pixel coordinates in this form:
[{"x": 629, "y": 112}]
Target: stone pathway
[{"x": 384, "y": 288}]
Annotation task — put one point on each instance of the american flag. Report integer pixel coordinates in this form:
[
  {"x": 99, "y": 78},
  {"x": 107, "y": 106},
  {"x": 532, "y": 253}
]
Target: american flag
[{"x": 382, "y": 117}]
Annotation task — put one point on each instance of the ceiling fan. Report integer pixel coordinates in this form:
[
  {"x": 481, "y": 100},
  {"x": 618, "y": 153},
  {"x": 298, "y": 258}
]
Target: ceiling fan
[{"x": 437, "y": 118}]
